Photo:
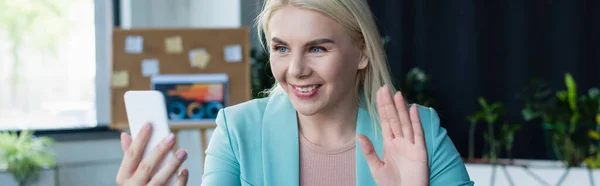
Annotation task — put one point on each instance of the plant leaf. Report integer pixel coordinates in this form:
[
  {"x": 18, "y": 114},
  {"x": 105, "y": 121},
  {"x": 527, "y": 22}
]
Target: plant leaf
[
  {"x": 562, "y": 95},
  {"x": 594, "y": 135},
  {"x": 571, "y": 91},
  {"x": 593, "y": 92},
  {"x": 483, "y": 103},
  {"x": 528, "y": 114}
]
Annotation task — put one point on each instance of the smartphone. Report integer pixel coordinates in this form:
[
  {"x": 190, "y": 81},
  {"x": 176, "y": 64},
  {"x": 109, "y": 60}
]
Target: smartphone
[{"x": 148, "y": 106}]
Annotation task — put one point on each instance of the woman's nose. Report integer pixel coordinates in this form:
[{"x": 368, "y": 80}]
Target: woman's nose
[{"x": 298, "y": 67}]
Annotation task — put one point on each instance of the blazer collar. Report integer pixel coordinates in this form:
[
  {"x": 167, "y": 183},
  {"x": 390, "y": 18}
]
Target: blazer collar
[{"x": 280, "y": 145}]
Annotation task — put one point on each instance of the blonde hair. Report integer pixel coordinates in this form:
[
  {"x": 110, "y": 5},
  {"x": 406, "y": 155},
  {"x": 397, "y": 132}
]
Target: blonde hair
[{"x": 356, "y": 19}]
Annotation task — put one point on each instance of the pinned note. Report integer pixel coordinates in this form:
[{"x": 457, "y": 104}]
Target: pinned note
[
  {"x": 134, "y": 44},
  {"x": 199, "y": 58},
  {"x": 233, "y": 53},
  {"x": 173, "y": 45},
  {"x": 150, "y": 67},
  {"x": 120, "y": 79}
]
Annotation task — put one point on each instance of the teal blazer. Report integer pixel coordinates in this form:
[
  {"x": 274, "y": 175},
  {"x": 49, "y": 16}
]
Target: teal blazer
[{"x": 256, "y": 143}]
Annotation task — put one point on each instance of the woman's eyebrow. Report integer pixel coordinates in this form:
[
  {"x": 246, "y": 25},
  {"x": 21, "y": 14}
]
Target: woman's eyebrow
[
  {"x": 310, "y": 43},
  {"x": 277, "y": 40},
  {"x": 319, "y": 41}
]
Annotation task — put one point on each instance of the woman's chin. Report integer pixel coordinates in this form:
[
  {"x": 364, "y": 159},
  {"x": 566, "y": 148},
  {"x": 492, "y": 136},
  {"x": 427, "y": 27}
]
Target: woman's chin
[{"x": 306, "y": 109}]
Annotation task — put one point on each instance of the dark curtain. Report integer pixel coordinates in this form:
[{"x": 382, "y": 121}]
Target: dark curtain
[{"x": 491, "y": 49}]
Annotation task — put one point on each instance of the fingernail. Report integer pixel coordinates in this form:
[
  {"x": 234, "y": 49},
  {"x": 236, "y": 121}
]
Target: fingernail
[
  {"x": 146, "y": 126},
  {"x": 181, "y": 155},
  {"x": 184, "y": 172},
  {"x": 169, "y": 139}
]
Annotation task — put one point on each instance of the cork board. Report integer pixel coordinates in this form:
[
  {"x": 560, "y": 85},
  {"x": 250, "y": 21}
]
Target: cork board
[{"x": 154, "y": 46}]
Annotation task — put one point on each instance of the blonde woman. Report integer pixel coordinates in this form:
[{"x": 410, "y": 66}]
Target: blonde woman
[{"x": 333, "y": 117}]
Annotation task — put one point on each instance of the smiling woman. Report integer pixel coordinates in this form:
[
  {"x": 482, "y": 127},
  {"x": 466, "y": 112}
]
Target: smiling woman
[
  {"x": 332, "y": 85},
  {"x": 318, "y": 64},
  {"x": 333, "y": 117}
]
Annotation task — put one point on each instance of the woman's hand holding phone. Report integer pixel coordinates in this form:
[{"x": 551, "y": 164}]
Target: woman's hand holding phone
[{"x": 137, "y": 169}]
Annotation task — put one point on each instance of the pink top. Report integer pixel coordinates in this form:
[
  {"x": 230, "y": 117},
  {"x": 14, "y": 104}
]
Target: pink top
[{"x": 327, "y": 166}]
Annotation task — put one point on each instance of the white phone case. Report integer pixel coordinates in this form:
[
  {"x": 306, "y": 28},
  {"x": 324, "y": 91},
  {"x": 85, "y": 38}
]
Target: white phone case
[{"x": 148, "y": 106}]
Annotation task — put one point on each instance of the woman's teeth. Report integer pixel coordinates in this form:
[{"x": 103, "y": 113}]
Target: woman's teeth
[{"x": 306, "y": 89}]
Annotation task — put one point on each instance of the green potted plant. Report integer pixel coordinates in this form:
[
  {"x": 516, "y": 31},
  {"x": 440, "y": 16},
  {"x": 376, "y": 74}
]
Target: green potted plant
[
  {"x": 262, "y": 78},
  {"x": 491, "y": 114},
  {"x": 566, "y": 118},
  {"x": 593, "y": 160},
  {"x": 507, "y": 138},
  {"x": 473, "y": 120},
  {"x": 415, "y": 87},
  {"x": 24, "y": 155}
]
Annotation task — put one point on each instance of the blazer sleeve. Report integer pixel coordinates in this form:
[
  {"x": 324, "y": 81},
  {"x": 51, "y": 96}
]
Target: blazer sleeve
[
  {"x": 221, "y": 166},
  {"x": 446, "y": 165}
]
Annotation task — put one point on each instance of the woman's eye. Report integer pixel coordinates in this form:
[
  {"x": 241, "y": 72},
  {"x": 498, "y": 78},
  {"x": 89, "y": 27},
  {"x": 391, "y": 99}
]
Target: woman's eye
[
  {"x": 281, "y": 49},
  {"x": 316, "y": 50}
]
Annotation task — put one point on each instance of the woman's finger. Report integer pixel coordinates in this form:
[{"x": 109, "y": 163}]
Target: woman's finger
[
  {"x": 164, "y": 174},
  {"x": 369, "y": 152},
  {"x": 417, "y": 126},
  {"x": 405, "y": 122},
  {"x": 134, "y": 153},
  {"x": 125, "y": 141},
  {"x": 385, "y": 126},
  {"x": 391, "y": 113},
  {"x": 182, "y": 178},
  {"x": 154, "y": 159}
]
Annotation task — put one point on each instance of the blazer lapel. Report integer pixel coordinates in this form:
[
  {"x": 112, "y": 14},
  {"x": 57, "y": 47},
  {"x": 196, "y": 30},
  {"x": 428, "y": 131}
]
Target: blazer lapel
[
  {"x": 280, "y": 148},
  {"x": 365, "y": 126}
]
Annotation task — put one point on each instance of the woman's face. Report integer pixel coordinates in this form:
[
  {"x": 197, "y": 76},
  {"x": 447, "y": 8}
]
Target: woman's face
[{"x": 313, "y": 60}]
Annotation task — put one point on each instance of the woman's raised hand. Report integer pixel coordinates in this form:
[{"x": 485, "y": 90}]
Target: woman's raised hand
[
  {"x": 138, "y": 170},
  {"x": 404, "y": 160}
]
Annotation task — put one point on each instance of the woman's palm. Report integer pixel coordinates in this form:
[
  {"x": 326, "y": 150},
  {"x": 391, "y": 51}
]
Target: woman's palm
[{"x": 404, "y": 161}]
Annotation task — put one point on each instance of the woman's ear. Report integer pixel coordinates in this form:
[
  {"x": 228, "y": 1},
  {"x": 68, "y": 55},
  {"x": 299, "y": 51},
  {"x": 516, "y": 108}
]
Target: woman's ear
[{"x": 364, "y": 59}]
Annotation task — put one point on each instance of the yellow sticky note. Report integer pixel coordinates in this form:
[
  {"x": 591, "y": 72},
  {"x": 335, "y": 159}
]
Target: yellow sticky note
[
  {"x": 199, "y": 58},
  {"x": 174, "y": 45},
  {"x": 120, "y": 79}
]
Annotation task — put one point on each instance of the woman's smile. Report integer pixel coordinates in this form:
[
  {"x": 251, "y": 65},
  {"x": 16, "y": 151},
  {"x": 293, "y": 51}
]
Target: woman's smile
[{"x": 305, "y": 92}]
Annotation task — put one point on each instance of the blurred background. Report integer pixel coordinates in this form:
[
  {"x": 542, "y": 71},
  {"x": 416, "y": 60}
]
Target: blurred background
[{"x": 515, "y": 82}]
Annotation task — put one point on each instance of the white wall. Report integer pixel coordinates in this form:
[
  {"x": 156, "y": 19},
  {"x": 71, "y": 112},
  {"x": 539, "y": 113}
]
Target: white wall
[{"x": 181, "y": 13}]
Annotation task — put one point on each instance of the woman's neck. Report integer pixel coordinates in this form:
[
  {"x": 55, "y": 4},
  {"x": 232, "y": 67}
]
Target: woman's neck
[{"x": 333, "y": 127}]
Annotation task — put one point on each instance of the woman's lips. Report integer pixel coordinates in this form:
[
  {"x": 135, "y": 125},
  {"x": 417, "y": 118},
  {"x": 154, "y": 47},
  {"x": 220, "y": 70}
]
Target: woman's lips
[{"x": 305, "y": 91}]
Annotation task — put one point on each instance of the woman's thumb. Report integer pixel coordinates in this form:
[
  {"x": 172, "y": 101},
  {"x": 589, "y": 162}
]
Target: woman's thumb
[{"x": 369, "y": 152}]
